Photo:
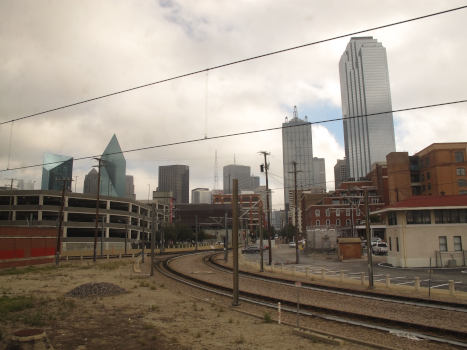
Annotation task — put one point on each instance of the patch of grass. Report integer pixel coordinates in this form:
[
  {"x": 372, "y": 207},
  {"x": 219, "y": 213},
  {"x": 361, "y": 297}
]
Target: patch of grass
[
  {"x": 147, "y": 325},
  {"x": 198, "y": 335},
  {"x": 153, "y": 288},
  {"x": 230, "y": 320},
  {"x": 267, "y": 318},
  {"x": 154, "y": 308},
  {"x": 29, "y": 269},
  {"x": 111, "y": 265},
  {"x": 162, "y": 285},
  {"x": 14, "y": 304}
]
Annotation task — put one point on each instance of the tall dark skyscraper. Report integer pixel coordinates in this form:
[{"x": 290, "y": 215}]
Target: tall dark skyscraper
[
  {"x": 175, "y": 179},
  {"x": 363, "y": 70},
  {"x": 242, "y": 173}
]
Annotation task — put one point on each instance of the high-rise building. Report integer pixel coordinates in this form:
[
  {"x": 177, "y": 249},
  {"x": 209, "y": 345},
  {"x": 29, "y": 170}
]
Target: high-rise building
[
  {"x": 340, "y": 172},
  {"x": 90, "y": 182},
  {"x": 175, "y": 179},
  {"x": 56, "y": 167},
  {"x": 365, "y": 90},
  {"x": 113, "y": 170},
  {"x": 201, "y": 196},
  {"x": 25, "y": 184},
  {"x": 319, "y": 175},
  {"x": 130, "y": 187},
  {"x": 297, "y": 147},
  {"x": 246, "y": 182}
]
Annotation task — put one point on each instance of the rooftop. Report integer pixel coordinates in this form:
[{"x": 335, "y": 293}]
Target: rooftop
[{"x": 428, "y": 202}]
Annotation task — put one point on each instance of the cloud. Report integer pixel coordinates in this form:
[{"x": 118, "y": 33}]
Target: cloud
[{"x": 60, "y": 52}]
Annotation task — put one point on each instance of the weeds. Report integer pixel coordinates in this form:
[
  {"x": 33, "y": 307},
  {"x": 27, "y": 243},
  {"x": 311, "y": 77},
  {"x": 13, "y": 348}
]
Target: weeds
[
  {"x": 240, "y": 340},
  {"x": 267, "y": 317}
]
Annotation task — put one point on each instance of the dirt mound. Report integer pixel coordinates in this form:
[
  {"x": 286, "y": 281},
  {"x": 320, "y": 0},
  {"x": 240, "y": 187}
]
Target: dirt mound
[{"x": 100, "y": 289}]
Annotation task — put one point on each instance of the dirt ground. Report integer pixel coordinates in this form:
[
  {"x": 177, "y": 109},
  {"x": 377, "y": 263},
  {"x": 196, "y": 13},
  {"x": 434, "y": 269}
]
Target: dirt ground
[{"x": 155, "y": 313}]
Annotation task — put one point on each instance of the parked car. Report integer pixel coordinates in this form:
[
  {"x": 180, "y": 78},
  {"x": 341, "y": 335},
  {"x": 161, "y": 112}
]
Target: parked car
[
  {"x": 250, "y": 249},
  {"x": 292, "y": 244},
  {"x": 380, "y": 248}
]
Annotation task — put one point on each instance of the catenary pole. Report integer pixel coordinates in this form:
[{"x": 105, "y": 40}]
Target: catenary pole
[
  {"x": 368, "y": 242},
  {"x": 235, "y": 240}
]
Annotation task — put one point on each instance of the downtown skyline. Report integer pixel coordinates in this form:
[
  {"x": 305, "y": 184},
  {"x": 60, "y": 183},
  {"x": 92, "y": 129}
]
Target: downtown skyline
[{"x": 249, "y": 96}]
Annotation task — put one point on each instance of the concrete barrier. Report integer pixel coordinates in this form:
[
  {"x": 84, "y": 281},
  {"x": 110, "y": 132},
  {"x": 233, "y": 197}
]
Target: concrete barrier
[
  {"x": 451, "y": 287},
  {"x": 417, "y": 283}
]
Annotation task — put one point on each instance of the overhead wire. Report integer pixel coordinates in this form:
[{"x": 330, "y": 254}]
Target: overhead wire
[
  {"x": 271, "y": 53},
  {"x": 241, "y": 133}
]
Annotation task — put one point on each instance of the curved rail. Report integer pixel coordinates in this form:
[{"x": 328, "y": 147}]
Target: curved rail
[
  {"x": 434, "y": 334},
  {"x": 435, "y": 304}
]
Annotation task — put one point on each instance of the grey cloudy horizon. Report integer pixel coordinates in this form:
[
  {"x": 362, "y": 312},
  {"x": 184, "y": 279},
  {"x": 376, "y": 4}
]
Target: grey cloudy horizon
[{"x": 58, "y": 52}]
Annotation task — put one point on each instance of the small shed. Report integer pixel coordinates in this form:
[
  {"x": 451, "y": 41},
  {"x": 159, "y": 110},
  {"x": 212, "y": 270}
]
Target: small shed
[{"x": 349, "y": 248}]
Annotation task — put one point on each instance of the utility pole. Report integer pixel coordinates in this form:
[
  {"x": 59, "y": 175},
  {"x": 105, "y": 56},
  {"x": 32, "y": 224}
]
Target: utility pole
[
  {"x": 235, "y": 240},
  {"x": 226, "y": 239},
  {"x": 266, "y": 168},
  {"x": 60, "y": 220},
  {"x": 297, "y": 256},
  {"x": 10, "y": 213},
  {"x": 260, "y": 213},
  {"x": 99, "y": 160},
  {"x": 153, "y": 235},
  {"x": 368, "y": 242},
  {"x": 196, "y": 232}
]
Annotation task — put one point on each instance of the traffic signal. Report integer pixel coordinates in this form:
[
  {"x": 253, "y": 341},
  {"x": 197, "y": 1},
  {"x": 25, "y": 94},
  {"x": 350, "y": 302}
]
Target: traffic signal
[{"x": 261, "y": 167}]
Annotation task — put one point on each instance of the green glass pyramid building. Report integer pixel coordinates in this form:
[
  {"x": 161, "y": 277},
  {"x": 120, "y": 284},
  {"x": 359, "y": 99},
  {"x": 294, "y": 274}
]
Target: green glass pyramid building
[
  {"x": 55, "y": 168},
  {"x": 113, "y": 170}
]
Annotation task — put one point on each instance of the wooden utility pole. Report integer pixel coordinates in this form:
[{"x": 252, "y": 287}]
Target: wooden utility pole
[
  {"x": 297, "y": 256},
  {"x": 235, "y": 240},
  {"x": 60, "y": 220},
  {"x": 368, "y": 242},
  {"x": 10, "y": 213},
  {"x": 99, "y": 160},
  {"x": 260, "y": 220},
  {"x": 155, "y": 223},
  {"x": 268, "y": 227}
]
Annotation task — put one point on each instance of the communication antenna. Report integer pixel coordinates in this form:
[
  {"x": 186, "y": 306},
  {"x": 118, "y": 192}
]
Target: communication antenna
[{"x": 295, "y": 112}]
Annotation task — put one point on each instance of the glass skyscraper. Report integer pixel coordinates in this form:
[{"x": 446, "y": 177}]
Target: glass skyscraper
[
  {"x": 175, "y": 179},
  {"x": 297, "y": 146},
  {"x": 242, "y": 173},
  {"x": 56, "y": 167},
  {"x": 113, "y": 170},
  {"x": 364, "y": 77}
]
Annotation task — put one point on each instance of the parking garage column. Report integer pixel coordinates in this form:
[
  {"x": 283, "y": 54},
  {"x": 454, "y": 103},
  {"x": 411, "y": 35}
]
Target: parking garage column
[
  {"x": 39, "y": 210},
  {"x": 107, "y": 220}
]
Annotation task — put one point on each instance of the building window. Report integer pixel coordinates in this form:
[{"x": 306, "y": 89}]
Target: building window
[
  {"x": 347, "y": 222},
  {"x": 317, "y": 213},
  {"x": 392, "y": 218},
  {"x": 429, "y": 186},
  {"x": 397, "y": 243},
  {"x": 328, "y": 212},
  {"x": 459, "y": 156},
  {"x": 317, "y": 223},
  {"x": 418, "y": 217},
  {"x": 338, "y": 222},
  {"x": 457, "y": 243},
  {"x": 328, "y": 222},
  {"x": 390, "y": 243},
  {"x": 462, "y": 183},
  {"x": 428, "y": 175},
  {"x": 451, "y": 216},
  {"x": 358, "y": 212},
  {"x": 460, "y": 171},
  {"x": 422, "y": 177},
  {"x": 338, "y": 212},
  {"x": 443, "y": 244},
  {"x": 347, "y": 212}
]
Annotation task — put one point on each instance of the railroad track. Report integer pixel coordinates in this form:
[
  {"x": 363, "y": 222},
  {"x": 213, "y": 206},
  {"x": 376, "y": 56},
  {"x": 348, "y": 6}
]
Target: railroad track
[
  {"x": 368, "y": 294},
  {"x": 407, "y": 329}
]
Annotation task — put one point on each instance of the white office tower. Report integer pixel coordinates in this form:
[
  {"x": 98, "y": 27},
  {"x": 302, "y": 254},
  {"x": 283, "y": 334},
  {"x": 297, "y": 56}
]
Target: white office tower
[
  {"x": 297, "y": 147},
  {"x": 201, "y": 196},
  {"x": 365, "y": 90}
]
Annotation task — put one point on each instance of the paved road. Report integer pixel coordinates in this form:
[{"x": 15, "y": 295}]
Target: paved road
[{"x": 402, "y": 276}]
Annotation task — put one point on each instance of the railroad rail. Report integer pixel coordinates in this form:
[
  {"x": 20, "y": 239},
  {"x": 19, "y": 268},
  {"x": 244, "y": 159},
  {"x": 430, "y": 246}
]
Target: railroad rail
[
  {"x": 409, "y": 329},
  {"x": 366, "y": 294}
]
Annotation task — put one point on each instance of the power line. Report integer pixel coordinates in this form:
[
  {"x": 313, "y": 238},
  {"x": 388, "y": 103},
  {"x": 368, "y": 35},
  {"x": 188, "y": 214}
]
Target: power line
[
  {"x": 246, "y": 133},
  {"x": 233, "y": 63}
]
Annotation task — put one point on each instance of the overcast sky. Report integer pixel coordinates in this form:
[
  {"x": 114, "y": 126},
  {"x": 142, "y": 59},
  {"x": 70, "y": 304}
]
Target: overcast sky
[{"x": 54, "y": 53}]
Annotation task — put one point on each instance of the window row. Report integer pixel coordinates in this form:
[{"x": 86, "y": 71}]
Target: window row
[{"x": 443, "y": 243}]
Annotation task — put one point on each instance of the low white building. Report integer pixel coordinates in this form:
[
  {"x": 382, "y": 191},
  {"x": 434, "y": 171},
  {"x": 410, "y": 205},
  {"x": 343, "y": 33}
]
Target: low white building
[{"x": 427, "y": 227}]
